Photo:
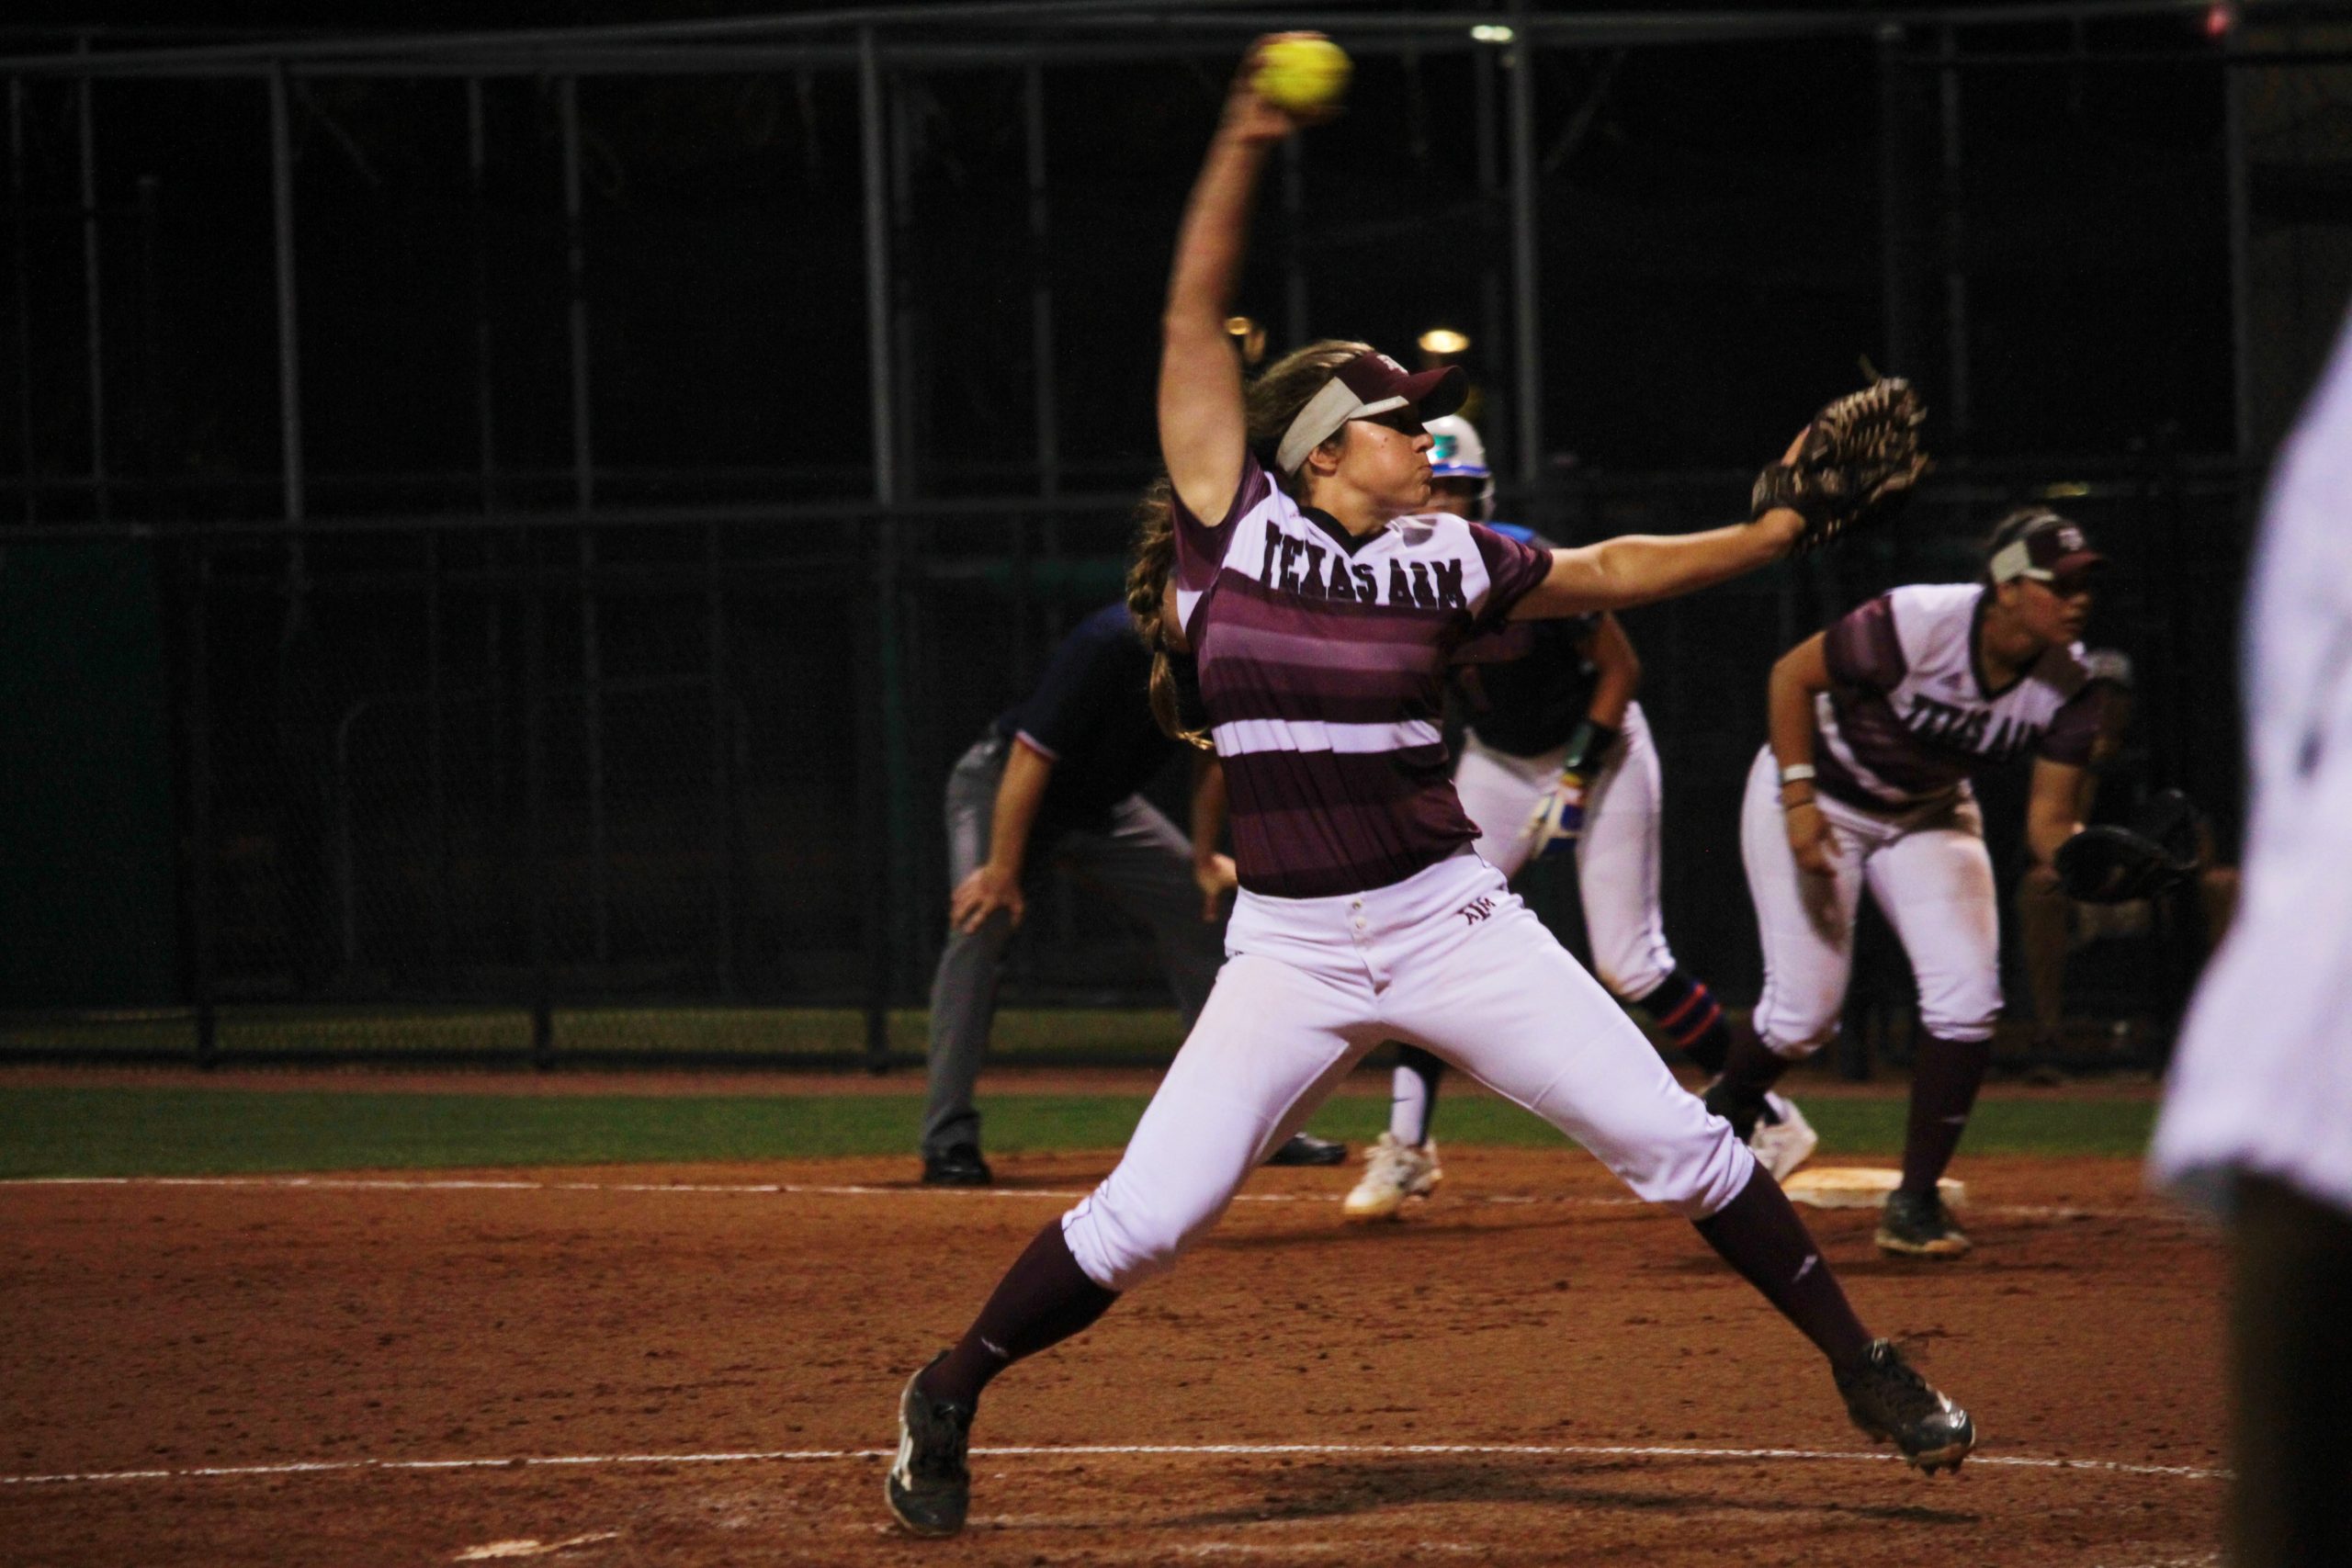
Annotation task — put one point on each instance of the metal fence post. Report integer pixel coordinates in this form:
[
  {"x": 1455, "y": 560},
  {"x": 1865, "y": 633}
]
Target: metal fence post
[
  {"x": 1955, "y": 236},
  {"x": 722, "y": 768},
  {"x": 535, "y": 809},
  {"x": 583, "y": 482},
  {"x": 1527, "y": 353},
  {"x": 21, "y": 224},
  {"x": 92, "y": 295},
  {"x": 201, "y": 913},
  {"x": 879, "y": 916}
]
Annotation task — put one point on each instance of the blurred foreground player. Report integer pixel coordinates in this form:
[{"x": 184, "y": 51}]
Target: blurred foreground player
[
  {"x": 1055, "y": 780},
  {"x": 2257, "y": 1118}
]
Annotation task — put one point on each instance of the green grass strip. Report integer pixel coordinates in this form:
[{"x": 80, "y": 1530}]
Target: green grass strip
[
  {"x": 137, "y": 1131},
  {"x": 1139, "y": 1034}
]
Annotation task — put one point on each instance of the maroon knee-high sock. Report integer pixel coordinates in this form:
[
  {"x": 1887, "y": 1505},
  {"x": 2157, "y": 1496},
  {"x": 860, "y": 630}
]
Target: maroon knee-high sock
[
  {"x": 1760, "y": 1234},
  {"x": 1682, "y": 1006},
  {"x": 1043, "y": 1300},
  {"x": 1749, "y": 1067},
  {"x": 1944, "y": 1081}
]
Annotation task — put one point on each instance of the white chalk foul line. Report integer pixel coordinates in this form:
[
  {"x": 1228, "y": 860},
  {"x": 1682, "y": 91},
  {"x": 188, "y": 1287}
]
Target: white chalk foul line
[
  {"x": 1098, "y": 1451},
  {"x": 2153, "y": 1211}
]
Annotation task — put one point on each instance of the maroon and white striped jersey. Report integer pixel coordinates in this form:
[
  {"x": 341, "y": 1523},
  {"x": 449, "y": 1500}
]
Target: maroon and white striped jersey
[
  {"x": 1323, "y": 661},
  {"x": 1907, "y": 716}
]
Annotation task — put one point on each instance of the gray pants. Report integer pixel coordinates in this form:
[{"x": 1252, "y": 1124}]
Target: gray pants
[{"x": 1142, "y": 861}]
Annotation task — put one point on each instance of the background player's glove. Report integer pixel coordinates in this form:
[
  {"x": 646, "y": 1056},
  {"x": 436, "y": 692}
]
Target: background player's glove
[
  {"x": 2157, "y": 853},
  {"x": 1559, "y": 819},
  {"x": 1856, "y": 464}
]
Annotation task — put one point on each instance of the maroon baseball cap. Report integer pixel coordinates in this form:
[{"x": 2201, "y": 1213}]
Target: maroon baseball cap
[
  {"x": 1371, "y": 383},
  {"x": 2045, "y": 547}
]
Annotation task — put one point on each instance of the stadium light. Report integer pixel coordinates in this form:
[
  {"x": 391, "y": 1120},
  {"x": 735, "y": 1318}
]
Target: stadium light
[{"x": 1248, "y": 336}]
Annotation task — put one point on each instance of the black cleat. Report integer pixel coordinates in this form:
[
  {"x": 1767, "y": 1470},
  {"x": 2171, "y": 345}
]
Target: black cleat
[
  {"x": 930, "y": 1487},
  {"x": 1917, "y": 1225},
  {"x": 1303, "y": 1150},
  {"x": 1893, "y": 1404},
  {"x": 958, "y": 1166},
  {"x": 1734, "y": 1108}
]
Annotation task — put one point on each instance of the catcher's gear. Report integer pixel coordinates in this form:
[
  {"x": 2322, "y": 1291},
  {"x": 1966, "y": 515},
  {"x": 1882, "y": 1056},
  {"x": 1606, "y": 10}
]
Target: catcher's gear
[
  {"x": 1856, "y": 464},
  {"x": 1558, "y": 822},
  {"x": 2158, "y": 853}
]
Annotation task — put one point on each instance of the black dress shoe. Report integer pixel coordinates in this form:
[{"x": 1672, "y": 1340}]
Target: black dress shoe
[
  {"x": 959, "y": 1167},
  {"x": 1303, "y": 1150}
]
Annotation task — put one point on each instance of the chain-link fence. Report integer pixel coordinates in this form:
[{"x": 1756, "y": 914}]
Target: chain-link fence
[
  {"x": 506, "y": 535},
  {"x": 646, "y": 791}
]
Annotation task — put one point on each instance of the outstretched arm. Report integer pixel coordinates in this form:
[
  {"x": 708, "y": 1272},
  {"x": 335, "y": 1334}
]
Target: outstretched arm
[
  {"x": 1642, "y": 568},
  {"x": 1203, "y": 432}
]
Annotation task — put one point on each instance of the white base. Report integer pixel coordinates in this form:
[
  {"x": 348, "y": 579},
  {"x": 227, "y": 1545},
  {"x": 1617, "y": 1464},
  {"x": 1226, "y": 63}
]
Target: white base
[{"x": 1857, "y": 1187}]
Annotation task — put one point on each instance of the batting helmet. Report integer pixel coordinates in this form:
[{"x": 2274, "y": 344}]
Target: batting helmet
[{"x": 1456, "y": 453}]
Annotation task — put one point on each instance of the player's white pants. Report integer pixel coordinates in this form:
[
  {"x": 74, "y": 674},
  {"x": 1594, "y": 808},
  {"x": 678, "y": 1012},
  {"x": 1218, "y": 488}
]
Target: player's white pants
[
  {"x": 1449, "y": 959},
  {"x": 1928, "y": 870},
  {"x": 1617, "y": 854}
]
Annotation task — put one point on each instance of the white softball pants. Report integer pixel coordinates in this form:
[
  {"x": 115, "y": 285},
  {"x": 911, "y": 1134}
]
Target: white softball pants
[
  {"x": 1928, "y": 870},
  {"x": 1449, "y": 959},
  {"x": 1617, "y": 854}
]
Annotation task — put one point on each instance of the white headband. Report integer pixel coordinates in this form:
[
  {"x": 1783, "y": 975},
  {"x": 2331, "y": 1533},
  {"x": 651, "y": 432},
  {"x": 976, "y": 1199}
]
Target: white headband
[
  {"x": 2014, "y": 561},
  {"x": 1324, "y": 413}
]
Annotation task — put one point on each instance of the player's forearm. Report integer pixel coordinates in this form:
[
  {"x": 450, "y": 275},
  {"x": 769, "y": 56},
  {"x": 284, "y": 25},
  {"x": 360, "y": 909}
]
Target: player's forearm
[
  {"x": 1208, "y": 808},
  {"x": 1641, "y": 569},
  {"x": 1617, "y": 674},
  {"x": 1019, "y": 795},
  {"x": 2043, "y": 834},
  {"x": 1202, "y": 430},
  {"x": 1798, "y": 676},
  {"x": 2052, "y": 808},
  {"x": 1214, "y": 237}
]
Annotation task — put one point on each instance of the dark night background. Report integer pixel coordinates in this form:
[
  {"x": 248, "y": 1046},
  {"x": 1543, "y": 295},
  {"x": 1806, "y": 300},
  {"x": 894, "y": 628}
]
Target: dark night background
[
  {"x": 1712, "y": 255},
  {"x": 403, "y": 751}
]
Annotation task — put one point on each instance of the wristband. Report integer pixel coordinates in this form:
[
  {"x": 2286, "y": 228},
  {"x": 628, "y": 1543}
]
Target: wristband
[
  {"x": 1587, "y": 744},
  {"x": 1800, "y": 773}
]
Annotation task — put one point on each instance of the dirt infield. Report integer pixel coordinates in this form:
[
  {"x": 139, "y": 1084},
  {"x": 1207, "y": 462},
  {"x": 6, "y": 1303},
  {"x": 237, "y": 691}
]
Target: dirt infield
[{"x": 698, "y": 1367}]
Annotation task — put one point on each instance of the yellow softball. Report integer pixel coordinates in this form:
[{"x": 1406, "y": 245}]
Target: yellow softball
[{"x": 1299, "y": 74}]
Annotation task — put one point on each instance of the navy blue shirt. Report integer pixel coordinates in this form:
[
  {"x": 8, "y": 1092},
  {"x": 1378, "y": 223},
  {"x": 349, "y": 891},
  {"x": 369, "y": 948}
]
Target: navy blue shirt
[
  {"x": 1526, "y": 706},
  {"x": 1091, "y": 715}
]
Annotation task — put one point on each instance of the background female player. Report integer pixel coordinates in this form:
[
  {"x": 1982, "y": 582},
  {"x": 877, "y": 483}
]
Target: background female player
[
  {"x": 1558, "y": 755},
  {"x": 1876, "y": 725},
  {"x": 1322, "y": 609}
]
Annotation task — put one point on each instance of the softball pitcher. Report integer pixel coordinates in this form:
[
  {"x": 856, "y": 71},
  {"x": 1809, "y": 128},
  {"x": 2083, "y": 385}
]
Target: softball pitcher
[
  {"x": 1558, "y": 757},
  {"x": 1876, "y": 725},
  {"x": 1323, "y": 602}
]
